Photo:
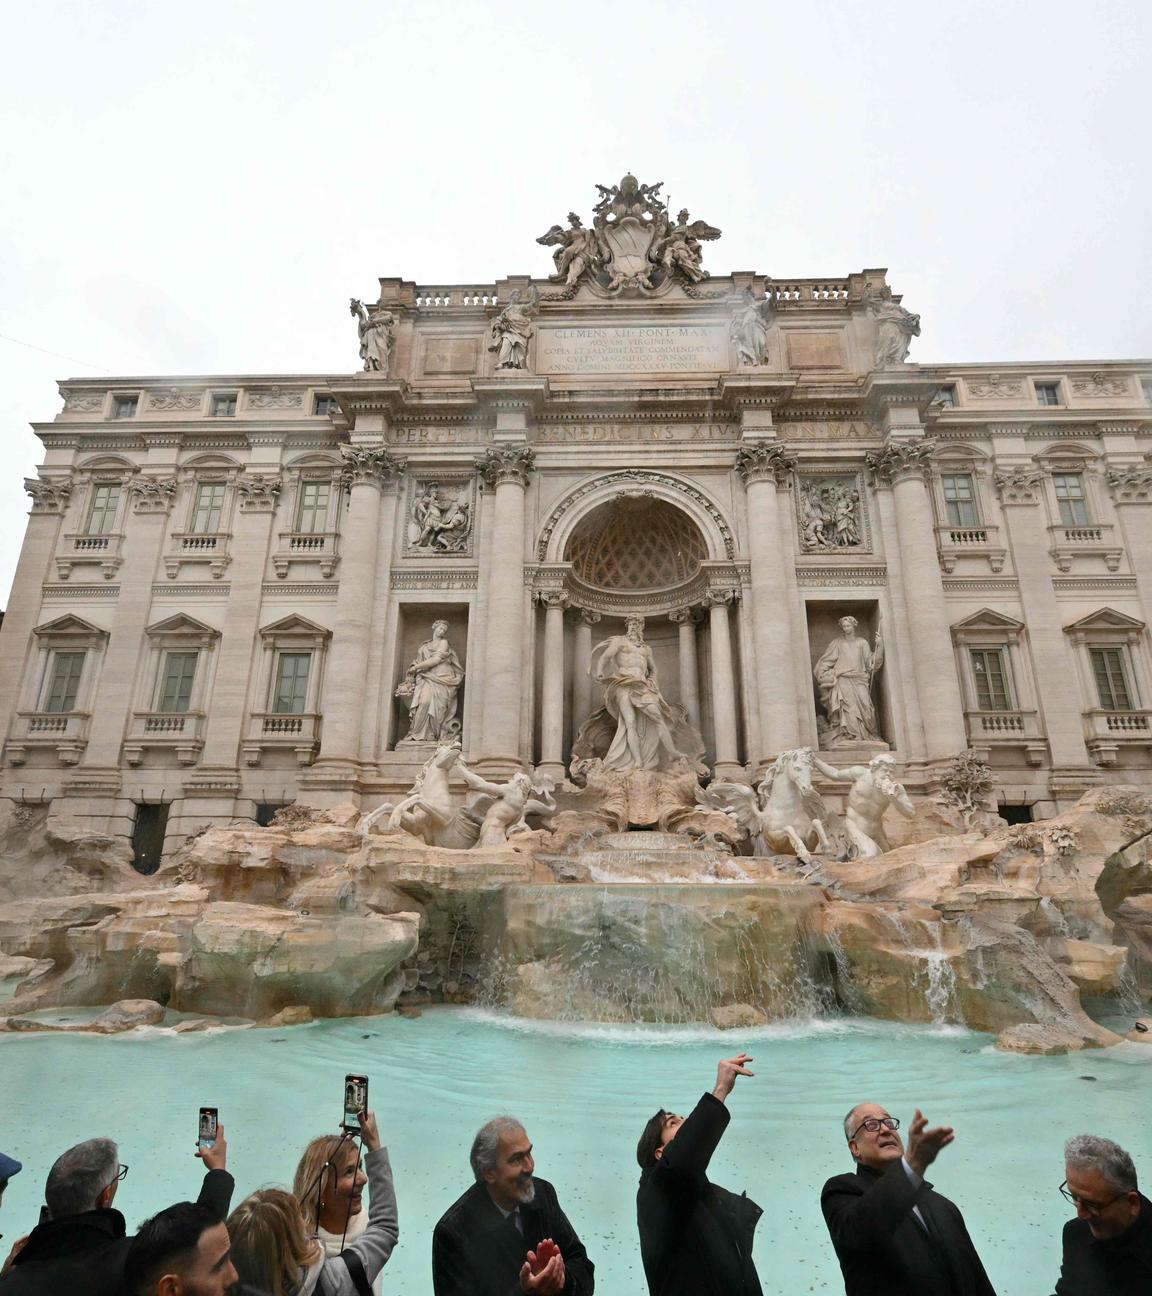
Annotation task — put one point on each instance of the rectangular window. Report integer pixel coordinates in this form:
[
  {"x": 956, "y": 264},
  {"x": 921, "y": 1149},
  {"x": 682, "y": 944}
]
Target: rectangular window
[
  {"x": 313, "y": 512},
  {"x": 176, "y": 681},
  {"x": 124, "y": 406},
  {"x": 224, "y": 406},
  {"x": 960, "y": 500},
  {"x": 1111, "y": 679},
  {"x": 1073, "y": 506},
  {"x": 208, "y": 507},
  {"x": 105, "y": 503},
  {"x": 1048, "y": 393},
  {"x": 63, "y": 681},
  {"x": 291, "y": 697},
  {"x": 945, "y": 396},
  {"x": 325, "y": 405},
  {"x": 990, "y": 672}
]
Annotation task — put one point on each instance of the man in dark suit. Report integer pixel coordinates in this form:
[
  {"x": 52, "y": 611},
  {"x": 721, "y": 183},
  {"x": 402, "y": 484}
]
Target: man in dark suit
[
  {"x": 895, "y": 1236},
  {"x": 695, "y": 1237},
  {"x": 1108, "y": 1246},
  {"x": 507, "y": 1234}
]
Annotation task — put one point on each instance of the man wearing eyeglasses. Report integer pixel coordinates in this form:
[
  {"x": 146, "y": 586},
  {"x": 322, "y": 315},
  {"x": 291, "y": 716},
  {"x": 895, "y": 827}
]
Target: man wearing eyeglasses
[
  {"x": 1108, "y": 1246},
  {"x": 893, "y": 1234},
  {"x": 79, "y": 1248}
]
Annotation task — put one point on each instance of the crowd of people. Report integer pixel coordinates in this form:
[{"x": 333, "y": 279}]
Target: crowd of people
[{"x": 893, "y": 1234}]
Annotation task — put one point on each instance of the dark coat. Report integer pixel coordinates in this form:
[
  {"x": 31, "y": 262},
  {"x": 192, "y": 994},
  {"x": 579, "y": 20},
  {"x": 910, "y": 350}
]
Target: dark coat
[
  {"x": 1118, "y": 1267},
  {"x": 83, "y": 1255},
  {"x": 477, "y": 1252},
  {"x": 695, "y": 1237},
  {"x": 884, "y": 1250}
]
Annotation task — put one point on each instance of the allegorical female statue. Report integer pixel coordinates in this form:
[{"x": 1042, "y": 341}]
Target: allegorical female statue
[
  {"x": 375, "y": 329},
  {"x": 511, "y": 330},
  {"x": 844, "y": 675},
  {"x": 430, "y": 688}
]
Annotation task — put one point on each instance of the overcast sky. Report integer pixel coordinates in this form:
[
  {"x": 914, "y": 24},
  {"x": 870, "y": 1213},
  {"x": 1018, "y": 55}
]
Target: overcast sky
[{"x": 199, "y": 188}]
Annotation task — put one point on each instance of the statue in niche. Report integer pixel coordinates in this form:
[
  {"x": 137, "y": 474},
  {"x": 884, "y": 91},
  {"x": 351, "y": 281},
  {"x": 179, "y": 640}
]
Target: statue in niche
[
  {"x": 375, "y": 327},
  {"x": 636, "y": 729},
  {"x": 749, "y": 328},
  {"x": 874, "y": 789},
  {"x": 895, "y": 328},
  {"x": 785, "y": 815},
  {"x": 440, "y": 522},
  {"x": 508, "y": 805},
  {"x": 430, "y": 688},
  {"x": 845, "y": 674},
  {"x": 577, "y": 250},
  {"x": 511, "y": 330},
  {"x": 830, "y": 514}
]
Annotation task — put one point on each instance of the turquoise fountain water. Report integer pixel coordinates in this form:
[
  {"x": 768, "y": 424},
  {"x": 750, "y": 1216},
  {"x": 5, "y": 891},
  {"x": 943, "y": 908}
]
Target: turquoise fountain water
[{"x": 584, "y": 1094}]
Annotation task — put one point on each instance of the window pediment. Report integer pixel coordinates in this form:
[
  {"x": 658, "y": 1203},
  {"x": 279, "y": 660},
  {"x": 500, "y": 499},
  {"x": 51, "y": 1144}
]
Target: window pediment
[
  {"x": 988, "y": 620},
  {"x": 182, "y": 628},
  {"x": 1106, "y": 625},
  {"x": 69, "y": 627},
  {"x": 297, "y": 630}
]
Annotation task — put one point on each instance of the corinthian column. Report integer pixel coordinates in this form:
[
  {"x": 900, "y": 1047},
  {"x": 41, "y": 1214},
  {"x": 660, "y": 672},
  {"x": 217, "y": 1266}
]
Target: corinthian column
[
  {"x": 369, "y": 475},
  {"x": 1131, "y": 489},
  {"x": 766, "y": 468},
  {"x": 685, "y": 618},
  {"x": 552, "y": 720},
  {"x": 582, "y": 657},
  {"x": 723, "y": 684},
  {"x": 904, "y": 466},
  {"x": 507, "y": 469}
]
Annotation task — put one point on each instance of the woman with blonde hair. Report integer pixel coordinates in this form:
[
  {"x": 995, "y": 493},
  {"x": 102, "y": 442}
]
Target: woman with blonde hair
[{"x": 298, "y": 1244}]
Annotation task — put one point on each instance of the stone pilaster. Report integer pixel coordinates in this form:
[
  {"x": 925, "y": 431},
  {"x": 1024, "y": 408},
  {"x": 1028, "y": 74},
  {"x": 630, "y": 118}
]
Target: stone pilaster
[
  {"x": 903, "y": 465},
  {"x": 1131, "y": 489},
  {"x": 506, "y": 468},
  {"x": 727, "y": 762},
  {"x": 370, "y": 475},
  {"x": 552, "y": 719},
  {"x": 258, "y": 494},
  {"x": 685, "y": 619},
  {"x": 112, "y": 704},
  {"x": 767, "y": 469}
]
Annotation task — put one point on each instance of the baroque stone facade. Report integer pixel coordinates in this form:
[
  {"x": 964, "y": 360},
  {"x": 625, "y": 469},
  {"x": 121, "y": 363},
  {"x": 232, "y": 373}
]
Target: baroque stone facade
[{"x": 225, "y": 580}]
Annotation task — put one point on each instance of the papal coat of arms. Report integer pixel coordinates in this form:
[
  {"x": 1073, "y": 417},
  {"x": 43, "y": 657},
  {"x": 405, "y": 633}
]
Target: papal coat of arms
[{"x": 633, "y": 245}]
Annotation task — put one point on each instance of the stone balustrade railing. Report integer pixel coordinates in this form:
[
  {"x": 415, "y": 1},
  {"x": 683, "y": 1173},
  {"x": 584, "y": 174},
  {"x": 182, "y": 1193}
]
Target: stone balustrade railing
[{"x": 429, "y": 298}]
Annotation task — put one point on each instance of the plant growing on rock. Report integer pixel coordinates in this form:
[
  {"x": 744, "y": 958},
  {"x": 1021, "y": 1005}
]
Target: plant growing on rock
[
  {"x": 966, "y": 784},
  {"x": 1063, "y": 841}
]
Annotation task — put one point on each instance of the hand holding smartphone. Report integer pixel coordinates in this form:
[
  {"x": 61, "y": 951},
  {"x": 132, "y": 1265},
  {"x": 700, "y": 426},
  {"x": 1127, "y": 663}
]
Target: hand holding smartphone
[
  {"x": 355, "y": 1102},
  {"x": 209, "y": 1120}
]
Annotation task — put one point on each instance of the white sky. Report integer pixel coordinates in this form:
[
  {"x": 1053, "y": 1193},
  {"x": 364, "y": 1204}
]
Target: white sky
[{"x": 199, "y": 188}]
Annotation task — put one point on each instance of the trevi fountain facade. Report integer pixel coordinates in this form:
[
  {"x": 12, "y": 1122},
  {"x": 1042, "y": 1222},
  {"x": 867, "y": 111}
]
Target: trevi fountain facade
[{"x": 620, "y": 642}]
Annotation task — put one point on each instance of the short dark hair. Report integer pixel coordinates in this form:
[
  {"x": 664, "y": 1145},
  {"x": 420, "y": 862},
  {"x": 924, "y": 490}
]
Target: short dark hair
[
  {"x": 167, "y": 1241},
  {"x": 650, "y": 1140}
]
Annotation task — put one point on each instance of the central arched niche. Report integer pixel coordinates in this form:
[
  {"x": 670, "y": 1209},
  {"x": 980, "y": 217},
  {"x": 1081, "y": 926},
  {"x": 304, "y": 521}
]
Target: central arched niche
[{"x": 635, "y": 544}]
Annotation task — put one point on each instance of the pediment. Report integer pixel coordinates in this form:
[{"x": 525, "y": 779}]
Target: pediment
[
  {"x": 69, "y": 625},
  {"x": 181, "y": 624},
  {"x": 294, "y": 625},
  {"x": 1106, "y": 619},
  {"x": 988, "y": 619}
]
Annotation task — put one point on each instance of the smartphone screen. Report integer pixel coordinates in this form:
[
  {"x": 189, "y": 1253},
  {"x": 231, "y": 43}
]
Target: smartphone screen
[
  {"x": 355, "y": 1100},
  {"x": 207, "y": 1135}
]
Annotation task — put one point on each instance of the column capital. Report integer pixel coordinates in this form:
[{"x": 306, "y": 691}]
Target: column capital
[
  {"x": 1017, "y": 485},
  {"x": 714, "y": 598},
  {"x": 552, "y": 599},
  {"x": 585, "y": 616},
  {"x": 1130, "y": 485},
  {"x": 49, "y": 494},
  {"x": 371, "y": 464},
  {"x": 258, "y": 492},
  {"x": 683, "y": 616},
  {"x": 152, "y": 494},
  {"x": 765, "y": 461},
  {"x": 508, "y": 463},
  {"x": 897, "y": 460}
]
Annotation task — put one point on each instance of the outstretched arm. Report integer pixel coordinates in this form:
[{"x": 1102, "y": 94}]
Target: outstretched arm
[
  {"x": 477, "y": 783},
  {"x": 848, "y": 775}
]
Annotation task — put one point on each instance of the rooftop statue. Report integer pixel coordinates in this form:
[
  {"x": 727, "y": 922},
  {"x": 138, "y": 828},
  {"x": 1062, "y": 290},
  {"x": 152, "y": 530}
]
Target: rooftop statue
[
  {"x": 749, "y": 328},
  {"x": 375, "y": 328},
  {"x": 633, "y": 245},
  {"x": 895, "y": 328},
  {"x": 511, "y": 330}
]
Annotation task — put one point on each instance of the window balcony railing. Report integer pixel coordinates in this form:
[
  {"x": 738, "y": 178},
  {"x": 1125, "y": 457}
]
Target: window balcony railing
[
  {"x": 306, "y": 546},
  {"x": 66, "y": 731},
  {"x": 1007, "y": 729},
  {"x": 103, "y": 551},
  {"x": 278, "y": 731},
  {"x": 1094, "y": 540},
  {"x": 1106, "y": 731},
  {"x": 955, "y": 542},
  {"x": 209, "y": 547},
  {"x": 178, "y": 731}
]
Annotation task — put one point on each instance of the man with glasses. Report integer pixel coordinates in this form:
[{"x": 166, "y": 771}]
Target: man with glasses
[
  {"x": 79, "y": 1248},
  {"x": 1108, "y": 1246},
  {"x": 895, "y": 1236}
]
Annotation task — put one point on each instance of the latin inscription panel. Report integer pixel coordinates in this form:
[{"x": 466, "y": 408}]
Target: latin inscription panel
[{"x": 633, "y": 348}]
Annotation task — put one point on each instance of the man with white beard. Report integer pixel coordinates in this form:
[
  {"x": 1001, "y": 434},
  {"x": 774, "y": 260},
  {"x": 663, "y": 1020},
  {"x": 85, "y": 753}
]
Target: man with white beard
[{"x": 507, "y": 1232}]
